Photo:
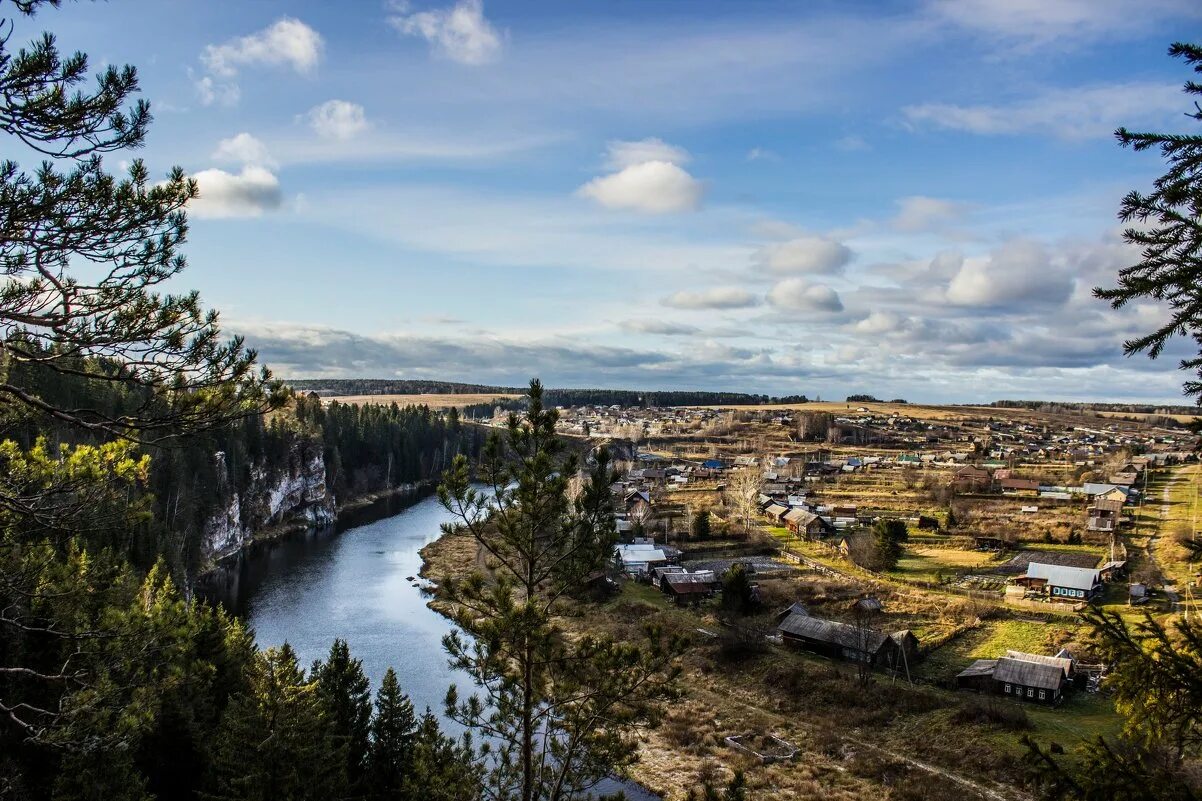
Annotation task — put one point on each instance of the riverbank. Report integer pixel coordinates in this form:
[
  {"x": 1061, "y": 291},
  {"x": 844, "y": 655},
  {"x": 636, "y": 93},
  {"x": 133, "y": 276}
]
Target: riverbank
[
  {"x": 888, "y": 739},
  {"x": 221, "y": 580}
]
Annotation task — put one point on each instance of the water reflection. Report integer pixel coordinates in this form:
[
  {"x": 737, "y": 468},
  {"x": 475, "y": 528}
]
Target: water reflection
[{"x": 359, "y": 582}]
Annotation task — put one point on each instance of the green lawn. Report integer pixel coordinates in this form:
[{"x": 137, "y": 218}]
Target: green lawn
[{"x": 989, "y": 641}]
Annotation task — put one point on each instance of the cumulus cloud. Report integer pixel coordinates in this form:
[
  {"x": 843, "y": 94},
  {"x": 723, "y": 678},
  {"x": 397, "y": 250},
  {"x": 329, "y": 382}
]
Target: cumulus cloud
[
  {"x": 919, "y": 213},
  {"x": 1018, "y": 272},
  {"x": 798, "y": 294},
  {"x": 460, "y": 33},
  {"x": 337, "y": 119},
  {"x": 621, "y": 154},
  {"x": 242, "y": 149},
  {"x": 1071, "y": 114},
  {"x": 722, "y": 297},
  {"x": 286, "y": 43},
  {"x": 652, "y": 187},
  {"x": 814, "y": 255},
  {"x": 248, "y": 193}
]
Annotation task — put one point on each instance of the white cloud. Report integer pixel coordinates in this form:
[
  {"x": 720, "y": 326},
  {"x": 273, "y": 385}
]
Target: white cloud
[
  {"x": 286, "y": 43},
  {"x": 798, "y": 294},
  {"x": 213, "y": 92},
  {"x": 337, "y": 119},
  {"x": 920, "y": 213},
  {"x": 805, "y": 254},
  {"x": 1017, "y": 273},
  {"x": 460, "y": 33},
  {"x": 723, "y": 297},
  {"x": 247, "y": 193},
  {"x": 242, "y": 149},
  {"x": 1028, "y": 23},
  {"x": 1070, "y": 114},
  {"x": 661, "y": 327},
  {"x": 654, "y": 187},
  {"x": 621, "y": 154}
]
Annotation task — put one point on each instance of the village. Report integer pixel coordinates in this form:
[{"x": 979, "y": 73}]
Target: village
[{"x": 947, "y": 550}]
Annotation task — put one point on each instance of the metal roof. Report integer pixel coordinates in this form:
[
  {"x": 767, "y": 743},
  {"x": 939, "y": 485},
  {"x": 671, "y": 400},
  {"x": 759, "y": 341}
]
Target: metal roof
[
  {"x": 1028, "y": 674},
  {"x": 1077, "y": 578},
  {"x": 1065, "y": 664}
]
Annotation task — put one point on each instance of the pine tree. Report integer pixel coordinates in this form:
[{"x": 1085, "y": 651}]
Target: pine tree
[
  {"x": 1167, "y": 227},
  {"x": 887, "y": 537},
  {"x": 393, "y": 733},
  {"x": 443, "y": 770},
  {"x": 275, "y": 741},
  {"x": 347, "y": 694},
  {"x": 557, "y": 712},
  {"x": 701, "y": 525},
  {"x": 738, "y": 591}
]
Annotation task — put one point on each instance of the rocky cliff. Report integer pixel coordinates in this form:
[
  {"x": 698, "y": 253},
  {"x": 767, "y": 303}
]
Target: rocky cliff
[{"x": 292, "y": 494}]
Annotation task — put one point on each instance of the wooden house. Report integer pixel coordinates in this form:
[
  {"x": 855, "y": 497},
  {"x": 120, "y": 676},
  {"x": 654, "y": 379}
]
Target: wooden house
[
  {"x": 1060, "y": 582},
  {"x": 971, "y": 479},
  {"x": 776, "y": 512},
  {"x": 689, "y": 588},
  {"x": 836, "y": 640},
  {"x": 806, "y": 524},
  {"x": 1027, "y": 677},
  {"x": 1104, "y": 515},
  {"x": 1019, "y": 486}
]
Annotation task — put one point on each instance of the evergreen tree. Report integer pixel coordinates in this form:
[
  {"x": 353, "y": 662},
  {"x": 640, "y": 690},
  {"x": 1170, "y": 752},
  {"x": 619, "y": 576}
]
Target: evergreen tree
[
  {"x": 739, "y": 594},
  {"x": 275, "y": 742},
  {"x": 701, "y": 525},
  {"x": 347, "y": 694},
  {"x": 1157, "y": 684},
  {"x": 1167, "y": 228},
  {"x": 443, "y": 770},
  {"x": 887, "y": 539},
  {"x": 393, "y": 734},
  {"x": 558, "y": 713}
]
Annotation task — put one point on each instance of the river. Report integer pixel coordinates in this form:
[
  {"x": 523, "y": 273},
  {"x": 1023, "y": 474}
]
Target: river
[{"x": 360, "y": 582}]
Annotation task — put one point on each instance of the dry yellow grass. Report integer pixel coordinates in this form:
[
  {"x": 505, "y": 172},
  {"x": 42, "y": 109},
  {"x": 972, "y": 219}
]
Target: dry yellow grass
[{"x": 431, "y": 400}]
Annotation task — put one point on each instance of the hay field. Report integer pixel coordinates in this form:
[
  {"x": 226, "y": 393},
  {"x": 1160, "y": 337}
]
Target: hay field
[
  {"x": 913, "y": 410},
  {"x": 432, "y": 400}
]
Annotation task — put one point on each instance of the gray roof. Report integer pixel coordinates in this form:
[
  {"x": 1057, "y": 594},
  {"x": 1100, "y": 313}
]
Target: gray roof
[
  {"x": 1065, "y": 664},
  {"x": 1078, "y": 578},
  {"x": 800, "y": 517},
  {"x": 982, "y": 667},
  {"x": 835, "y": 633},
  {"x": 1028, "y": 674}
]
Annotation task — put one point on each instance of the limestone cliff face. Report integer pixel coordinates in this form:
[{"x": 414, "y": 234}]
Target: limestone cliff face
[{"x": 292, "y": 493}]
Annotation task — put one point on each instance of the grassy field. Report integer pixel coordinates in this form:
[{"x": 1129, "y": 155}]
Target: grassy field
[
  {"x": 433, "y": 401},
  {"x": 925, "y": 564},
  {"x": 992, "y": 639}
]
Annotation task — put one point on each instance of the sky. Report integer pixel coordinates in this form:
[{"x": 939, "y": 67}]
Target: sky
[{"x": 905, "y": 199}]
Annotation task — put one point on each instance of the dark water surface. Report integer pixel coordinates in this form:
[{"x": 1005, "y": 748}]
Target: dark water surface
[{"x": 354, "y": 582}]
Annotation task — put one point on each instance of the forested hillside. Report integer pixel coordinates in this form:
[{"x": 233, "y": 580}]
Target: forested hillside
[
  {"x": 554, "y": 397},
  {"x": 135, "y": 439}
]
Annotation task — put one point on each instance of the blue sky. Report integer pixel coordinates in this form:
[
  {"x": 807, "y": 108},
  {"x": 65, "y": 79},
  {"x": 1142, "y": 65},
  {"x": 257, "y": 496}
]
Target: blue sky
[{"x": 910, "y": 199}]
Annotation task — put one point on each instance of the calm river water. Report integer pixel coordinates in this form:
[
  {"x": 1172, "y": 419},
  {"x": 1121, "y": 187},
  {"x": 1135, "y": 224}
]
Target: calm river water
[{"x": 360, "y": 583}]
